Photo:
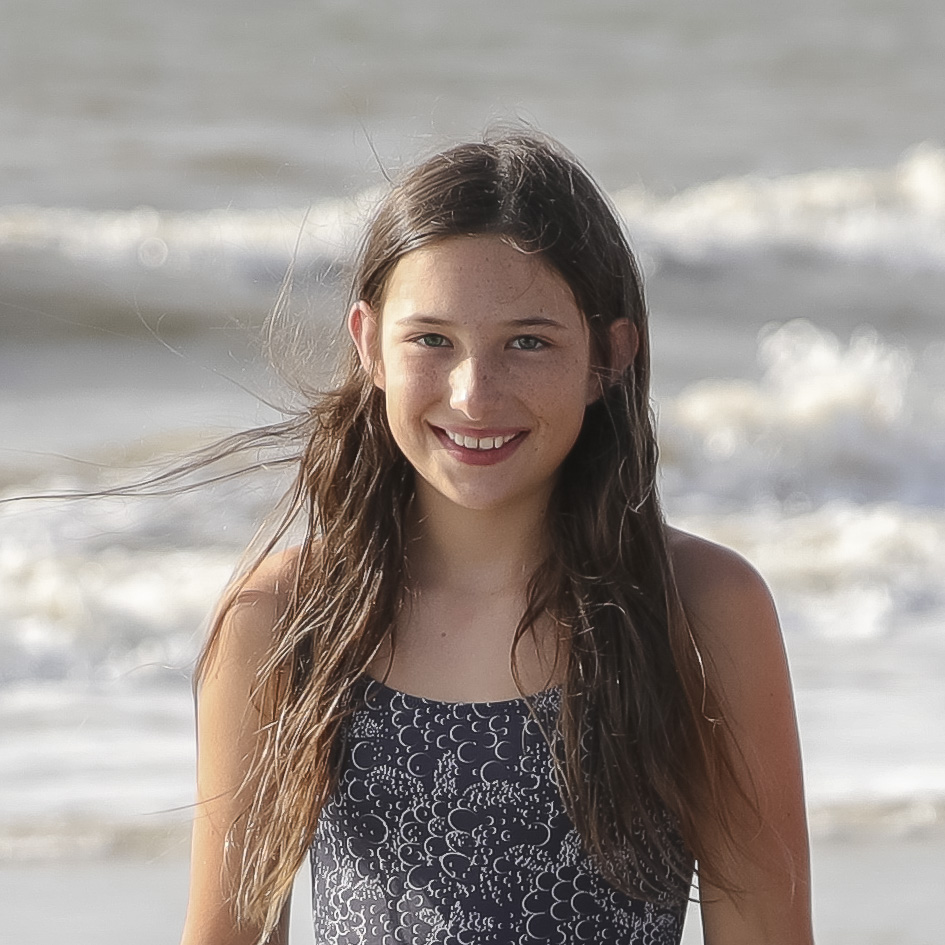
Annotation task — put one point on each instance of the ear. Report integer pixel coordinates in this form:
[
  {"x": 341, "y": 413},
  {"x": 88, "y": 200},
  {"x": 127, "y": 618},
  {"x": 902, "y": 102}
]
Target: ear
[
  {"x": 365, "y": 331},
  {"x": 624, "y": 342}
]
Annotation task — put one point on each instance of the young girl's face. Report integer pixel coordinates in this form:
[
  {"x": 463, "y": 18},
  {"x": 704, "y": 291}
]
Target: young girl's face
[{"x": 484, "y": 357}]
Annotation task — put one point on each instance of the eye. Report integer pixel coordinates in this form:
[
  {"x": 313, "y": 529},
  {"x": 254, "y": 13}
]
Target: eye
[
  {"x": 528, "y": 343},
  {"x": 432, "y": 340}
]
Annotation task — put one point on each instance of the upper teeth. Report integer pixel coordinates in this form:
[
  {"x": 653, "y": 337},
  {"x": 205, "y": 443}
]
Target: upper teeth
[{"x": 484, "y": 443}]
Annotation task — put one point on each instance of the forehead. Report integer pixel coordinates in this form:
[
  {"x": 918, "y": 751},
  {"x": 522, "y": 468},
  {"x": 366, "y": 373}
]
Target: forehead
[{"x": 476, "y": 274}]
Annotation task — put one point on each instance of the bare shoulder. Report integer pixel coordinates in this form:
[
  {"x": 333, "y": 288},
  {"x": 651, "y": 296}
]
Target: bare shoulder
[
  {"x": 252, "y": 606},
  {"x": 716, "y": 584},
  {"x": 243, "y": 640},
  {"x": 729, "y": 606},
  {"x": 274, "y": 577},
  {"x": 711, "y": 576}
]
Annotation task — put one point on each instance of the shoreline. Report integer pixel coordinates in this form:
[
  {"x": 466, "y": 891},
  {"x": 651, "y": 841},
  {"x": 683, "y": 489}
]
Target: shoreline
[{"x": 871, "y": 889}]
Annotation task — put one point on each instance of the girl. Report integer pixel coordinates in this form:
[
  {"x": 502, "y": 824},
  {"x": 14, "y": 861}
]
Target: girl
[{"x": 492, "y": 694}]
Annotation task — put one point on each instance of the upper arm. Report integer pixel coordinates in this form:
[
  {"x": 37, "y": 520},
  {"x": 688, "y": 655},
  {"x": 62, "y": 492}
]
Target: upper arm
[
  {"x": 229, "y": 720},
  {"x": 734, "y": 622}
]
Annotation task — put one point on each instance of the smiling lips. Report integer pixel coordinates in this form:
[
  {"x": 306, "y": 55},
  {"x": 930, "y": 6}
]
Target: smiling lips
[
  {"x": 480, "y": 450},
  {"x": 481, "y": 443}
]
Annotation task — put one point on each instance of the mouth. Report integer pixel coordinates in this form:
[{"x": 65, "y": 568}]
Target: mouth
[
  {"x": 485, "y": 448},
  {"x": 492, "y": 442}
]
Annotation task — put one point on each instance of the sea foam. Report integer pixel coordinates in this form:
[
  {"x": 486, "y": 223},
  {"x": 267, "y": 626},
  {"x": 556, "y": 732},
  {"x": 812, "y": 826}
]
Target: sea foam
[
  {"x": 825, "y": 420},
  {"x": 214, "y": 264},
  {"x": 893, "y": 216}
]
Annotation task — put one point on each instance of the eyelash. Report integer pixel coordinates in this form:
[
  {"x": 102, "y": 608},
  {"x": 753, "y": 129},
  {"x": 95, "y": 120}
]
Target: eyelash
[{"x": 422, "y": 341}]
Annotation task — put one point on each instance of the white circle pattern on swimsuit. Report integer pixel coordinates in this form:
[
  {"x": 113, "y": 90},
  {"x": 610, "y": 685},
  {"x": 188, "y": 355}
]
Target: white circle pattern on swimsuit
[{"x": 447, "y": 827}]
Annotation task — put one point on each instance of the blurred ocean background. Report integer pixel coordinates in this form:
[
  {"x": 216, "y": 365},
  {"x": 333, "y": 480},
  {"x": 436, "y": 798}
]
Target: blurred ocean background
[{"x": 781, "y": 169}]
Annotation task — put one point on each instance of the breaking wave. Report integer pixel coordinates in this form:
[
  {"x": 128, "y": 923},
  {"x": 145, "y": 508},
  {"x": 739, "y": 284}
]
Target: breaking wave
[{"x": 202, "y": 265}]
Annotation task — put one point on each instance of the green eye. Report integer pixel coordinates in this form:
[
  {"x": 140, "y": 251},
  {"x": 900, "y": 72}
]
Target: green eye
[{"x": 432, "y": 341}]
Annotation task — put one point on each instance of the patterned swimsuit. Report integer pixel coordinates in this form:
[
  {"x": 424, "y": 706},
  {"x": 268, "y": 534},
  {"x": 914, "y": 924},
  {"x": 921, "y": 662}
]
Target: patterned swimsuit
[{"x": 446, "y": 827}]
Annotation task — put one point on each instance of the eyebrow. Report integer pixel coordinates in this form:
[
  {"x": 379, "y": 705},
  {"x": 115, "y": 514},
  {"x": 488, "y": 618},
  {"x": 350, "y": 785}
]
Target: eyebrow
[{"x": 431, "y": 321}]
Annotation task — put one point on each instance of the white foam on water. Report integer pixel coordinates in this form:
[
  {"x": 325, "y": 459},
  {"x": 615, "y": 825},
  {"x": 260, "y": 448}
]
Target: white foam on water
[
  {"x": 177, "y": 242},
  {"x": 97, "y": 588},
  {"x": 893, "y": 216},
  {"x": 824, "y": 421},
  {"x": 213, "y": 263},
  {"x": 188, "y": 269}
]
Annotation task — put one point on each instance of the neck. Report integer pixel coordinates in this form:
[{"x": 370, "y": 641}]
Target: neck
[{"x": 474, "y": 551}]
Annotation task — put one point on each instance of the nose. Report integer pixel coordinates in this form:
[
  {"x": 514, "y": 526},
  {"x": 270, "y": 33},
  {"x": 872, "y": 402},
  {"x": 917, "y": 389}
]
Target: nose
[{"x": 473, "y": 388}]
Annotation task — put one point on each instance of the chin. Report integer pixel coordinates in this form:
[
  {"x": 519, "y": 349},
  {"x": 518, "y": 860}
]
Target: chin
[{"x": 484, "y": 500}]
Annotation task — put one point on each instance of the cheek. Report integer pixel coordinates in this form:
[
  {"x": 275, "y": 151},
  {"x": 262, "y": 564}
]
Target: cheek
[
  {"x": 564, "y": 396},
  {"x": 570, "y": 418},
  {"x": 410, "y": 389}
]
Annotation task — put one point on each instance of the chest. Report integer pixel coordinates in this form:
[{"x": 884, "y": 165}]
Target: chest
[{"x": 459, "y": 648}]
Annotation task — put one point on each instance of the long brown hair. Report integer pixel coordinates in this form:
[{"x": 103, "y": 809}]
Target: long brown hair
[{"x": 641, "y": 753}]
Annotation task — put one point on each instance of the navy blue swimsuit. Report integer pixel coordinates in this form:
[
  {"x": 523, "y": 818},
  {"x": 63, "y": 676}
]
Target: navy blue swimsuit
[{"x": 447, "y": 827}]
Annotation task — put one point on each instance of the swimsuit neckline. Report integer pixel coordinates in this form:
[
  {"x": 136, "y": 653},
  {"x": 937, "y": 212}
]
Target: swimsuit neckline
[{"x": 518, "y": 701}]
